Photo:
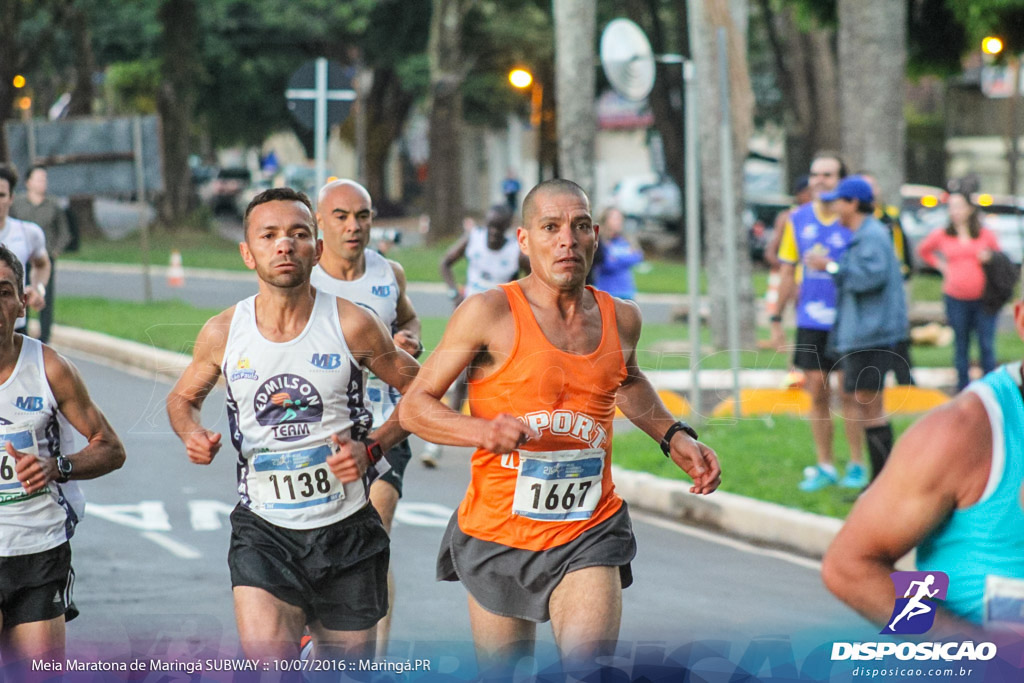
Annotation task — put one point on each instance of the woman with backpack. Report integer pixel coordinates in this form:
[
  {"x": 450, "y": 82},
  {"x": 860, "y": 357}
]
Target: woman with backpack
[{"x": 959, "y": 252}]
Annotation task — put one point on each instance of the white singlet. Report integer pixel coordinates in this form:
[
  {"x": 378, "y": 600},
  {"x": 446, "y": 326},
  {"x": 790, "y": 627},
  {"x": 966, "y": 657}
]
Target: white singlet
[
  {"x": 27, "y": 240},
  {"x": 488, "y": 268},
  {"x": 284, "y": 400},
  {"x": 29, "y": 418},
  {"x": 376, "y": 290}
]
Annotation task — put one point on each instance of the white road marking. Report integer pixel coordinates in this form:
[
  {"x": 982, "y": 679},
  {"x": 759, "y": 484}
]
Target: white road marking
[
  {"x": 185, "y": 552},
  {"x": 422, "y": 514},
  {"x": 205, "y": 515},
  {"x": 148, "y": 515},
  {"x": 736, "y": 544}
]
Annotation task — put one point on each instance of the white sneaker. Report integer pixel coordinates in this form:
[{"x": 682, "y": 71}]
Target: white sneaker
[{"x": 431, "y": 456}]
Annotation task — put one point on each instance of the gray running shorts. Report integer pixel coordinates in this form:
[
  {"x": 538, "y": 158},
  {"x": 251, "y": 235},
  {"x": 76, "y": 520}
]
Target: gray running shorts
[{"x": 511, "y": 582}]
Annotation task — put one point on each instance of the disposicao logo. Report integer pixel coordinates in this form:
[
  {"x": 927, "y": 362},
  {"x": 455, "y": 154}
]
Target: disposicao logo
[{"x": 914, "y": 612}]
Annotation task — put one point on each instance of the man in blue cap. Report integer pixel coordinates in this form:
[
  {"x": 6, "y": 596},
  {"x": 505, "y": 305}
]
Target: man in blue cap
[
  {"x": 814, "y": 228},
  {"x": 871, "y": 310}
]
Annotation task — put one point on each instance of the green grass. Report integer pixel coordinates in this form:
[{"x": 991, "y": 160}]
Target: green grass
[
  {"x": 421, "y": 263},
  {"x": 144, "y": 323},
  {"x": 659, "y": 343},
  {"x": 198, "y": 250},
  {"x": 761, "y": 458},
  {"x": 665, "y": 347},
  {"x": 926, "y": 287}
]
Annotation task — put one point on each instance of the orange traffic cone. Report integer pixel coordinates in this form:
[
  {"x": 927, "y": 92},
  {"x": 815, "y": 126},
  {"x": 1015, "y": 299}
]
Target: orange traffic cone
[{"x": 176, "y": 273}]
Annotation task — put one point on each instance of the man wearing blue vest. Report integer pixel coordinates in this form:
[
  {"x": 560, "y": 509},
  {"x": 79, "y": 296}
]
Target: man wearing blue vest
[
  {"x": 951, "y": 489},
  {"x": 814, "y": 230}
]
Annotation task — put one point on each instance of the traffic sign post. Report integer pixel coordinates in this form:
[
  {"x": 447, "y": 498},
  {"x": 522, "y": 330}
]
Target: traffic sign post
[{"x": 312, "y": 88}]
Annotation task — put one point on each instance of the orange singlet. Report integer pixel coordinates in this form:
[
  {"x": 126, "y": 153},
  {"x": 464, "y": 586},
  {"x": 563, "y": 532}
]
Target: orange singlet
[{"x": 555, "y": 488}]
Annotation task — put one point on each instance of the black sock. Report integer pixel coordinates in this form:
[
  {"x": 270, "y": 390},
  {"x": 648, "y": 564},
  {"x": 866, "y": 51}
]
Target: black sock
[{"x": 879, "y": 446}]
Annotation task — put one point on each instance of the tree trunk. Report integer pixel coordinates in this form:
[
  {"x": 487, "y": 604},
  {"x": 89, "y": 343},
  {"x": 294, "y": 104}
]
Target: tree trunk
[
  {"x": 10, "y": 18},
  {"x": 872, "y": 57},
  {"x": 805, "y": 68},
  {"x": 176, "y": 104},
  {"x": 826, "y": 121},
  {"x": 387, "y": 108},
  {"x": 575, "y": 77},
  {"x": 706, "y": 16},
  {"x": 85, "y": 64},
  {"x": 447, "y": 73},
  {"x": 666, "y": 98}
]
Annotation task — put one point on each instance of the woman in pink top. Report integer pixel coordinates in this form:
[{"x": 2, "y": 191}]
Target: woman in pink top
[{"x": 958, "y": 252}]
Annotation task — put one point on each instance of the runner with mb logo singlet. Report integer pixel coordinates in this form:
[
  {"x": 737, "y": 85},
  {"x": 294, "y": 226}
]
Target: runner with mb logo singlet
[{"x": 307, "y": 548}]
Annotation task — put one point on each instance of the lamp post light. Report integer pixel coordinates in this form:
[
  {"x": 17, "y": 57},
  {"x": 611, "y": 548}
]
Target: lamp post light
[{"x": 522, "y": 79}]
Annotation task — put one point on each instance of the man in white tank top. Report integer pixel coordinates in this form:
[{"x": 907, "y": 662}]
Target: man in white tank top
[
  {"x": 492, "y": 258},
  {"x": 42, "y": 399},
  {"x": 307, "y": 548},
  {"x": 27, "y": 241},
  {"x": 349, "y": 270}
]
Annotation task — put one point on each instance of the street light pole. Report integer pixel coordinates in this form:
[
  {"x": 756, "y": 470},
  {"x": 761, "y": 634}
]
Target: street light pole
[
  {"x": 522, "y": 79},
  {"x": 1012, "y": 127}
]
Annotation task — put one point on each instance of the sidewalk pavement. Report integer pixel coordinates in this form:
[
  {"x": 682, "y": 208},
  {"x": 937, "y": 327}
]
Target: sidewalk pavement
[{"x": 757, "y": 521}]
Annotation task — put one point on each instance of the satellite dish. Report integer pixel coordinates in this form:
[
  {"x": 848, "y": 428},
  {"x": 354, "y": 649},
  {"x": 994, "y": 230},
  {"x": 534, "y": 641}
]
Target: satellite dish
[{"x": 627, "y": 59}]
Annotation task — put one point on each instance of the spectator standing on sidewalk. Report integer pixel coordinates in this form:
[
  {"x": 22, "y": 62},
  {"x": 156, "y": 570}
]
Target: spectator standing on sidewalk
[
  {"x": 889, "y": 216},
  {"x": 801, "y": 195},
  {"x": 959, "y": 251},
  {"x": 613, "y": 271},
  {"x": 871, "y": 311},
  {"x": 35, "y": 206},
  {"x": 812, "y": 229}
]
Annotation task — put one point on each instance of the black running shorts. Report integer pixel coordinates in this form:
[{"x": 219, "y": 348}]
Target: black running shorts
[
  {"x": 812, "y": 351},
  {"x": 337, "y": 574},
  {"x": 398, "y": 457},
  {"x": 37, "y": 587},
  {"x": 865, "y": 370}
]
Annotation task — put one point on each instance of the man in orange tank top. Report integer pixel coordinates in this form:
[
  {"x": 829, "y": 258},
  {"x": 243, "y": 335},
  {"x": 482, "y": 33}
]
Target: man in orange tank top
[{"x": 541, "y": 534}]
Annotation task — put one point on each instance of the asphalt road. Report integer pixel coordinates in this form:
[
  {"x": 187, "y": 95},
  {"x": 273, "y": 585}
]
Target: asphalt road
[
  {"x": 152, "y": 577},
  {"x": 220, "y": 290}
]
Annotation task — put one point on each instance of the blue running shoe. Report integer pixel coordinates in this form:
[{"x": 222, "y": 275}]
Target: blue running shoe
[
  {"x": 816, "y": 478},
  {"x": 856, "y": 477}
]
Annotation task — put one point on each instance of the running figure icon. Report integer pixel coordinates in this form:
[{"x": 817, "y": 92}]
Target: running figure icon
[{"x": 916, "y": 605}]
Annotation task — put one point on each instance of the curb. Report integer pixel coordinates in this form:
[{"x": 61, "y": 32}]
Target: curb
[
  {"x": 121, "y": 352},
  {"x": 753, "y": 520}
]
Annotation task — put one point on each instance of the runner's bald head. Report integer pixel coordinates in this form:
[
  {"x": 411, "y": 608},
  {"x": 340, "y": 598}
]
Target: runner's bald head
[
  {"x": 556, "y": 186},
  {"x": 343, "y": 182}
]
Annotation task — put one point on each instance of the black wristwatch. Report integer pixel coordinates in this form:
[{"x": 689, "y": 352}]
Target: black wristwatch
[
  {"x": 64, "y": 468},
  {"x": 677, "y": 427},
  {"x": 777, "y": 318},
  {"x": 373, "y": 451}
]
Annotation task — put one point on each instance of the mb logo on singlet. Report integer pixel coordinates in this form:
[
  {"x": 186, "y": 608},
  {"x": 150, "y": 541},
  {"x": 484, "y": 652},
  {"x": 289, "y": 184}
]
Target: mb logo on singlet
[
  {"x": 288, "y": 404},
  {"x": 326, "y": 361},
  {"x": 381, "y": 290},
  {"x": 916, "y": 596},
  {"x": 30, "y": 404}
]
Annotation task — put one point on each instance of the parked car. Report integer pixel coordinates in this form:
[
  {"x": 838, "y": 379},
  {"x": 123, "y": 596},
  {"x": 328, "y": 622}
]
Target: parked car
[
  {"x": 759, "y": 220},
  {"x": 922, "y": 209},
  {"x": 222, "y": 191},
  {"x": 1003, "y": 215},
  {"x": 652, "y": 202},
  {"x": 648, "y": 200}
]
